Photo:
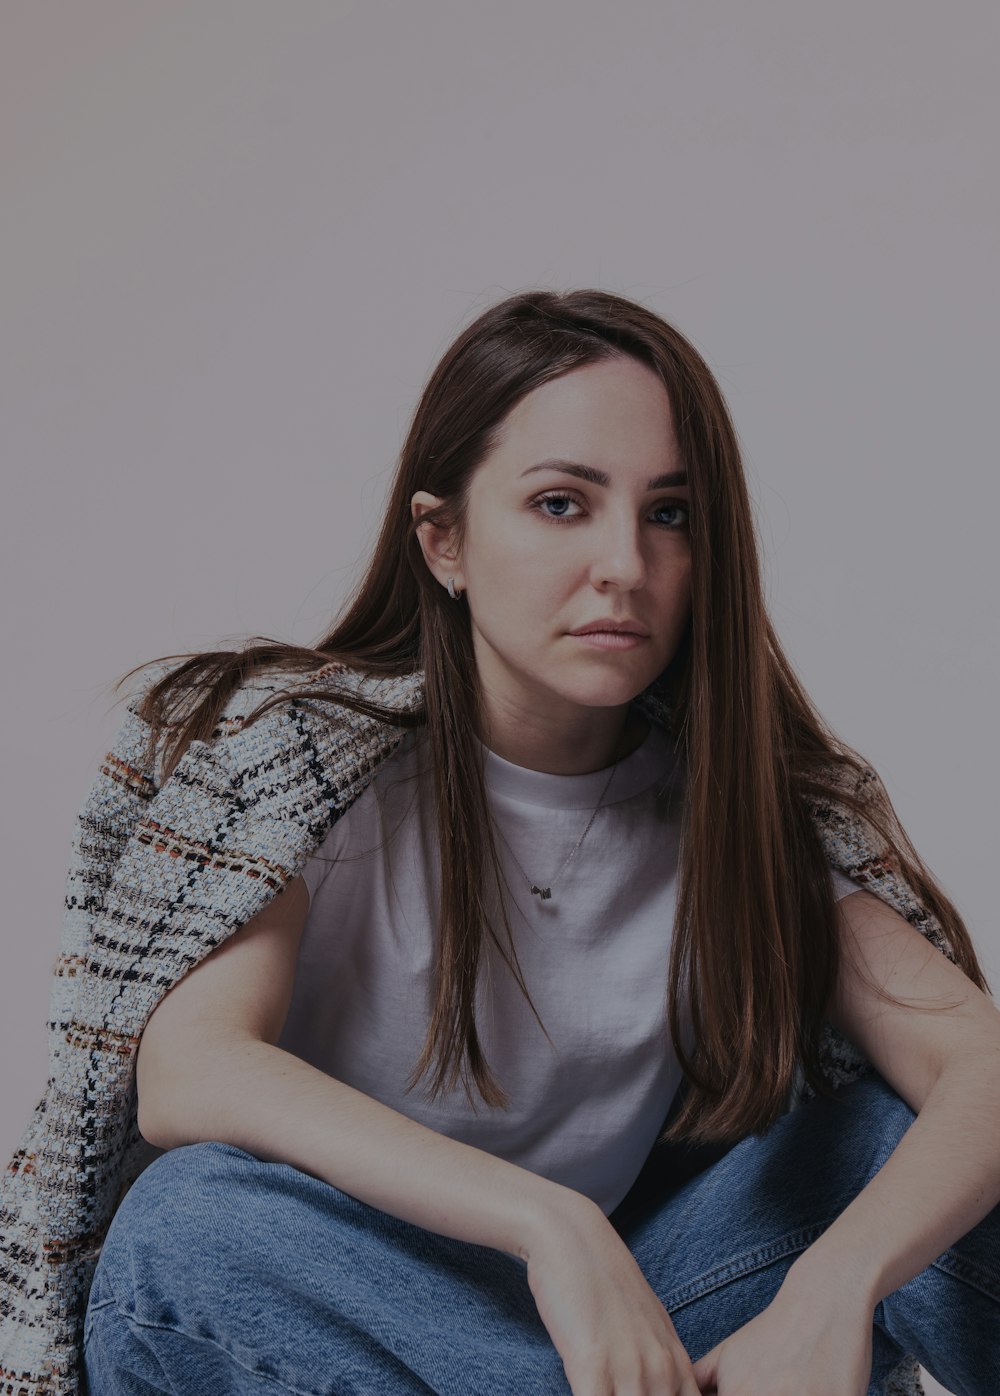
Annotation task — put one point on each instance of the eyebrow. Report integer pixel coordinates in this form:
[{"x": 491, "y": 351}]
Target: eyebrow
[{"x": 601, "y": 477}]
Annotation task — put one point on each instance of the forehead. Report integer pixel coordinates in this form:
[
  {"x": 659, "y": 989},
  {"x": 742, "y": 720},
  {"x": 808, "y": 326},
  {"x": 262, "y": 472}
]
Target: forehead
[{"x": 614, "y": 415}]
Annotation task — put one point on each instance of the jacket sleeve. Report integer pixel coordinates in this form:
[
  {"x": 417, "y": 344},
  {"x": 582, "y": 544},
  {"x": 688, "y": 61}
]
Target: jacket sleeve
[
  {"x": 161, "y": 872},
  {"x": 143, "y": 902},
  {"x": 863, "y": 855}
]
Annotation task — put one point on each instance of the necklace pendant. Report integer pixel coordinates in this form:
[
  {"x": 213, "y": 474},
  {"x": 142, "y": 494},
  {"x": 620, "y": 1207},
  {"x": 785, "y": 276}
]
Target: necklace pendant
[{"x": 544, "y": 892}]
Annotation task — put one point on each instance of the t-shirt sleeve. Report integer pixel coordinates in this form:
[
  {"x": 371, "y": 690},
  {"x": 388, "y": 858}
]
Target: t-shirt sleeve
[
  {"x": 843, "y": 886},
  {"x": 313, "y": 873}
]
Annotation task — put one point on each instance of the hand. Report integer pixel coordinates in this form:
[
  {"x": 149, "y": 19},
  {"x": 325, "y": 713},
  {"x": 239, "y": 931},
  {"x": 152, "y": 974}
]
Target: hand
[
  {"x": 807, "y": 1339},
  {"x": 614, "y": 1336}
]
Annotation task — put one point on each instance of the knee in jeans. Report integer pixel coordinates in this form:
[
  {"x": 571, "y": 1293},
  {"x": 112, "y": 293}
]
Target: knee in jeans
[
  {"x": 171, "y": 1211},
  {"x": 884, "y": 1116}
]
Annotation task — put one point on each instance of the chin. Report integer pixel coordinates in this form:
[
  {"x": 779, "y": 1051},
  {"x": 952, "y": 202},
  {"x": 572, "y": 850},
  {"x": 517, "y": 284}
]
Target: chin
[{"x": 605, "y": 697}]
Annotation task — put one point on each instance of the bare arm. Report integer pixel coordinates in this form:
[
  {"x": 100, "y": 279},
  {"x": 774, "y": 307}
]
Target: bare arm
[
  {"x": 946, "y": 1066},
  {"x": 208, "y": 1069}
]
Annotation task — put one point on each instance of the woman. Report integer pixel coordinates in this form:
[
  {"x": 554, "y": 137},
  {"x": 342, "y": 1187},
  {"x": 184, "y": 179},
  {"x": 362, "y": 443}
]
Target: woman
[{"x": 555, "y": 706}]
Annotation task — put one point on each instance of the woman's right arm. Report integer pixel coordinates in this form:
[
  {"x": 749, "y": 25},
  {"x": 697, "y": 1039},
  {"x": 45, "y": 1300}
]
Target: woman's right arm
[{"x": 207, "y": 1068}]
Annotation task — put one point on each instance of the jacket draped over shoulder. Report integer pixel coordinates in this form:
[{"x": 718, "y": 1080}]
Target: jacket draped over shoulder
[{"x": 162, "y": 873}]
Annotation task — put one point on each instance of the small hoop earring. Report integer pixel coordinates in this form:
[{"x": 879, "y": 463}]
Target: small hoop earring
[{"x": 451, "y": 589}]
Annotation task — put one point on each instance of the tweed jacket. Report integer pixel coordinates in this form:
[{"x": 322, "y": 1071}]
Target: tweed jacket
[{"x": 161, "y": 872}]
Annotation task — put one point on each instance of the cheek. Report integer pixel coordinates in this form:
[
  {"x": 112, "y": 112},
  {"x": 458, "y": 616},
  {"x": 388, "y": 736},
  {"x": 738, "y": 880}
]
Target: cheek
[
  {"x": 684, "y": 583},
  {"x": 516, "y": 598},
  {"x": 675, "y": 579},
  {"x": 520, "y": 561}
]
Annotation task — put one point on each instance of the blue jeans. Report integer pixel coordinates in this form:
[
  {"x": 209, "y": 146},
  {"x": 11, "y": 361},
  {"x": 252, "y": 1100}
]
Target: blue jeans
[{"x": 222, "y": 1273}]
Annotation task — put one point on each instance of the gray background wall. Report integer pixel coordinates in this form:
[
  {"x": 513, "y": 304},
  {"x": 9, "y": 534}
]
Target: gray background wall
[{"x": 237, "y": 236}]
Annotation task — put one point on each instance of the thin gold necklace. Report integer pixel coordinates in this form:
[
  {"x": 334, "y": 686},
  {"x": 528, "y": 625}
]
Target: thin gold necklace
[{"x": 546, "y": 892}]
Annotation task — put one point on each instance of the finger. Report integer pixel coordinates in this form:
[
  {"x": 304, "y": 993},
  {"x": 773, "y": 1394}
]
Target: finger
[
  {"x": 705, "y": 1370},
  {"x": 703, "y": 1376},
  {"x": 676, "y": 1378}
]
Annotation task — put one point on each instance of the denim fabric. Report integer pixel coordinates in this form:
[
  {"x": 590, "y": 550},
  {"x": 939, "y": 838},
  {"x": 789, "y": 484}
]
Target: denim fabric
[{"x": 222, "y": 1273}]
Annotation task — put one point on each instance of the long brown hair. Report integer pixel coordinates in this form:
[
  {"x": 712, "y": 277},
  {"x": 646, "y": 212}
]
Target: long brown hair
[{"x": 755, "y": 933}]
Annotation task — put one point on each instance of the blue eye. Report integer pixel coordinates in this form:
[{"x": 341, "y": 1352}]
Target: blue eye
[
  {"x": 675, "y": 507},
  {"x": 558, "y": 496},
  {"x": 552, "y": 499}
]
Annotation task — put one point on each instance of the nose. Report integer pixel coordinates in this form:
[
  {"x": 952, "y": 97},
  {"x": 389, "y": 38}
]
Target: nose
[{"x": 618, "y": 556}]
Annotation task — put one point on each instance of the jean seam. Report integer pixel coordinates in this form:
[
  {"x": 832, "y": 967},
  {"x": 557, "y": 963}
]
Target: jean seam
[
  {"x": 969, "y": 1272},
  {"x": 107, "y": 1303},
  {"x": 200, "y": 1338},
  {"x": 88, "y": 1321},
  {"x": 744, "y": 1264}
]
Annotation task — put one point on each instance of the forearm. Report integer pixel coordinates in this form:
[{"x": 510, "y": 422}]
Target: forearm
[
  {"x": 280, "y": 1108},
  {"x": 941, "y": 1179}
]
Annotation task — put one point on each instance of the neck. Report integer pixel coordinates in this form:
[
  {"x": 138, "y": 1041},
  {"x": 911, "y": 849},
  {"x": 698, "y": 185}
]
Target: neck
[{"x": 539, "y": 752}]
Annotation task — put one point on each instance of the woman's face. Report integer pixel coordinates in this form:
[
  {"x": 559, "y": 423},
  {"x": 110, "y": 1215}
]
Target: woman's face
[{"x": 547, "y": 551}]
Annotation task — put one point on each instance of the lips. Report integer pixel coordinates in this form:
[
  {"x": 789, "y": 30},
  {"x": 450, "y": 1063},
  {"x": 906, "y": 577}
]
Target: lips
[
  {"x": 610, "y": 628},
  {"x": 611, "y": 639}
]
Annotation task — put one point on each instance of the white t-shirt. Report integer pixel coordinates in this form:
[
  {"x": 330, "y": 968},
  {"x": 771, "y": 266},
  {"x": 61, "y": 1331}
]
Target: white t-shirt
[{"x": 584, "y": 1109}]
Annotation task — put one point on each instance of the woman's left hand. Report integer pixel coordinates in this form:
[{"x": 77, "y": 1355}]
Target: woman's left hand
[{"x": 806, "y": 1340}]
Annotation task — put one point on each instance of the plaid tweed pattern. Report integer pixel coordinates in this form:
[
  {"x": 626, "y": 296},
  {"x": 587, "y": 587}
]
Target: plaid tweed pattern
[{"x": 161, "y": 873}]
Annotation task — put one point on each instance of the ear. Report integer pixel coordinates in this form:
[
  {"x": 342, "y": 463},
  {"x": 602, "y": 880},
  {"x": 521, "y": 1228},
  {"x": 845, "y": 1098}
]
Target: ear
[{"x": 436, "y": 541}]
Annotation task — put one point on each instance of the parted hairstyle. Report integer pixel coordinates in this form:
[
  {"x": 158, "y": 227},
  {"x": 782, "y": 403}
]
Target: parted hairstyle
[{"x": 754, "y": 941}]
